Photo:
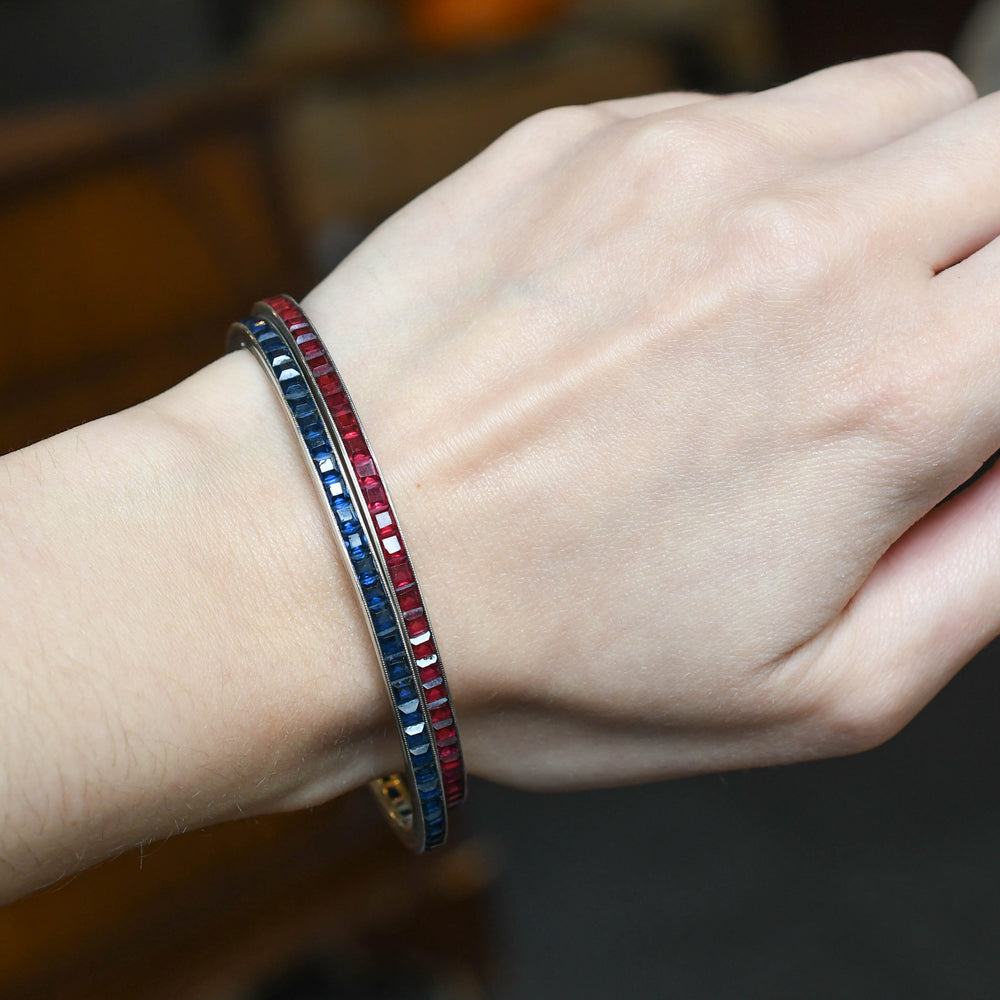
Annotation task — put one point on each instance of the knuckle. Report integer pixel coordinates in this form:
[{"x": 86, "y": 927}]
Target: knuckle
[
  {"x": 699, "y": 143},
  {"x": 855, "y": 714},
  {"x": 901, "y": 399},
  {"x": 936, "y": 69},
  {"x": 708, "y": 146},
  {"x": 561, "y": 126},
  {"x": 785, "y": 240},
  {"x": 844, "y": 695}
]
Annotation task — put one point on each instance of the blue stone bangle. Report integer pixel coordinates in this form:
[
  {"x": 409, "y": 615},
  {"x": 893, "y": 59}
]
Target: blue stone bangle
[{"x": 415, "y": 805}]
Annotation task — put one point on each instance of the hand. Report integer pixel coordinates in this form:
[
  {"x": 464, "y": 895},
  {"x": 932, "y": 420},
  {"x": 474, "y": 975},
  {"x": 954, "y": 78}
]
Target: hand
[{"x": 667, "y": 390}]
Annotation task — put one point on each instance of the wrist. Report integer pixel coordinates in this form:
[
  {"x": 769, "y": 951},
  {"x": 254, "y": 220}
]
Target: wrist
[
  {"x": 416, "y": 433},
  {"x": 186, "y": 648}
]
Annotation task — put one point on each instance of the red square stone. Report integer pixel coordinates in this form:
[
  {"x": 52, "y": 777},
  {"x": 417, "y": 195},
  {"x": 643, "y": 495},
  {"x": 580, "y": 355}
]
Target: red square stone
[
  {"x": 329, "y": 385},
  {"x": 409, "y": 602},
  {"x": 416, "y": 626},
  {"x": 335, "y": 399},
  {"x": 354, "y": 442},
  {"x": 346, "y": 422},
  {"x": 364, "y": 465},
  {"x": 352, "y": 439},
  {"x": 374, "y": 494},
  {"x": 395, "y": 558},
  {"x": 402, "y": 575}
]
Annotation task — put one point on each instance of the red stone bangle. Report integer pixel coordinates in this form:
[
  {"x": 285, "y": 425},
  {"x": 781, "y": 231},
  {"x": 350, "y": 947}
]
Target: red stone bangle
[{"x": 285, "y": 311}]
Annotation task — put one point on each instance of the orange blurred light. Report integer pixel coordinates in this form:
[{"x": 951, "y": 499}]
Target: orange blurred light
[{"x": 456, "y": 23}]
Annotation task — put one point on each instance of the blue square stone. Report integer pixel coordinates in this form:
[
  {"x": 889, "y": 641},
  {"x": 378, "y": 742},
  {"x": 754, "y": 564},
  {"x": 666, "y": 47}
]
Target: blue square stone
[
  {"x": 404, "y": 690},
  {"x": 407, "y": 705},
  {"x": 366, "y": 572},
  {"x": 375, "y": 600},
  {"x": 391, "y": 645},
  {"x": 410, "y": 719},
  {"x": 384, "y": 623},
  {"x": 398, "y": 669},
  {"x": 312, "y": 433},
  {"x": 295, "y": 390},
  {"x": 357, "y": 548},
  {"x": 425, "y": 772}
]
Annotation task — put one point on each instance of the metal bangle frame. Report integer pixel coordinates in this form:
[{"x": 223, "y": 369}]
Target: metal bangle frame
[{"x": 414, "y": 804}]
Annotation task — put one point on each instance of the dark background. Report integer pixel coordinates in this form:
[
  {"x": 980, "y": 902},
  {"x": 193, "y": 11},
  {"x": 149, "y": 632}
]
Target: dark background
[{"x": 138, "y": 137}]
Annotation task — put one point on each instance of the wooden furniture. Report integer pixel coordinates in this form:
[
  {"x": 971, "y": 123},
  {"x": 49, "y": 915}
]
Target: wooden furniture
[{"x": 220, "y": 912}]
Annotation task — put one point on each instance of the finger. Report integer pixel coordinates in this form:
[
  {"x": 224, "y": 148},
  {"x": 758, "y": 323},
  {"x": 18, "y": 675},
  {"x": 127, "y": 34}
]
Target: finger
[
  {"x": 928, "y": 607},
  {"x": 957, "y": 379},
  {"x": 975, "y": 272},
  {"x": 651, "y": 104},
  {"x": 939, "y": 185},
  {"x": 850, "y": 109}
]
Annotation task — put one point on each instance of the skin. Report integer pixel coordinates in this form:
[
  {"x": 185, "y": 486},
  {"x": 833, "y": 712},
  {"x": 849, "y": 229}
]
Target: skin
[{"x": 668, "y": 391}]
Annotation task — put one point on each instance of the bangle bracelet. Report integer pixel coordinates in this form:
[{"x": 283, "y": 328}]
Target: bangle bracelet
[
  {"x": 414, "y": 805},
  {"x": 348, "y": 479},
  {"x": 374, "y": 503}
]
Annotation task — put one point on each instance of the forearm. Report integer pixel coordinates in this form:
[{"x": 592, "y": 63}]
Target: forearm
[{"x": 180, "y": 643}]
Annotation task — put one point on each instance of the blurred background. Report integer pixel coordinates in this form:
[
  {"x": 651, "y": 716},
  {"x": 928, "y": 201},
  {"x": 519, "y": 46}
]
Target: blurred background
[{"x": 162, "y": 165}]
